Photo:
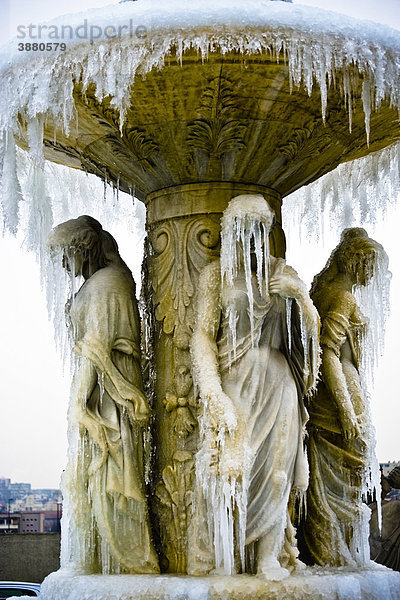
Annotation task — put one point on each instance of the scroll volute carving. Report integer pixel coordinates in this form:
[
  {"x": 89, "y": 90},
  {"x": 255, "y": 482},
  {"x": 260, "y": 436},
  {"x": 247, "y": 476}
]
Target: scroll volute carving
[{"x": 181, "y": 248}]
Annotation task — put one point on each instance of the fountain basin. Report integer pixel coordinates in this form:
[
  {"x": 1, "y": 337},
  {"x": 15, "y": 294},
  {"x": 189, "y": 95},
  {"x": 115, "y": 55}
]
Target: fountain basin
[
  {"x": 264, "y": 93},
  {"x": 314, "y": 584}
]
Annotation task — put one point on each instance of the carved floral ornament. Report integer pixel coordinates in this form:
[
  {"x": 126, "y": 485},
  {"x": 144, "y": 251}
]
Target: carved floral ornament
[
  {"x": 181, "y": 247},
  {"x": 217, "y": 130},
  {"x": 181, "y": 403},
  {"x": 174, "y": 493}
]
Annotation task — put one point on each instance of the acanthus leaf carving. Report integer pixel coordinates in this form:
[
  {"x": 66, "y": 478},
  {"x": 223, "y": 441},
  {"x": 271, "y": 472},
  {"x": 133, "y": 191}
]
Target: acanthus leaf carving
[
  {"x": 181, "y": 249},
  {"x": 128, "y": 142},
  {"x": 217, "y": 131},
  {"x": 174, "y": 493},
  {"x": 303, "y": 144}
]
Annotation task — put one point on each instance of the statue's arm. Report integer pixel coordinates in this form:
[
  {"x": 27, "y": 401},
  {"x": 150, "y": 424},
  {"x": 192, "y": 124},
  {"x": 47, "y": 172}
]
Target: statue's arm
[
  {"x": 289, "y": 285},
  {"x": 334, "y": 379},
  {"x": 204, "y": 350},
  {"x": 332, "y": 339},
  {"x": 123, "y": 392}
]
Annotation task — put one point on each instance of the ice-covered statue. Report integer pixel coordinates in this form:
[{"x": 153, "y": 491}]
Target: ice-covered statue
[
  {"x": 255, "y": 356},
  {"x": 340, "y": 436},
  {"x": 104, "y": 489}
]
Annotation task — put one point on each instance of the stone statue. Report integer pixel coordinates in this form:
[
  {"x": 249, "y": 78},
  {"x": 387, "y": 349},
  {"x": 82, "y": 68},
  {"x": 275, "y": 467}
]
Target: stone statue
[
  {"x": 339, "y": 429},
  {"x": 108, "y": 409},
  {"x": 385, "y": 542},
  {"x": 255, "y": 355}
]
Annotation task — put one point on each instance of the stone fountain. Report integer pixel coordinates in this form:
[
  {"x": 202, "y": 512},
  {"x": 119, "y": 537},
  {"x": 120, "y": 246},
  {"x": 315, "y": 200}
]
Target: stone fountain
[{"x": 186, "y": 109}]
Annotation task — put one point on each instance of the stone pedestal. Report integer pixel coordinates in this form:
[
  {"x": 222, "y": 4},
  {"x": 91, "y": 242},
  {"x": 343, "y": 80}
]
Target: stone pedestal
[
  {"x": 314, "y": 584},
  {"x": 183, "y": 224}
]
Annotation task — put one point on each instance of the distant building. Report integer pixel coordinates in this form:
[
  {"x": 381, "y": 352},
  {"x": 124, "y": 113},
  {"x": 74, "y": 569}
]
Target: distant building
[
  {"x": 20, "y": 497},
  {"x": 10, "y": 490},
  {"x": 43, "y": 521},
  {"x": 9, "y": 522},
  {"x": 32, "y": 522},
  {"x": 388, "y": 466},
  {"x": 27, "y": 510},
  {"x": 52, "y": 519}
]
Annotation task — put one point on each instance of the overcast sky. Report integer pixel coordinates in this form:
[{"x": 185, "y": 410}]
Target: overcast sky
[{"x": 33, "y": 392}]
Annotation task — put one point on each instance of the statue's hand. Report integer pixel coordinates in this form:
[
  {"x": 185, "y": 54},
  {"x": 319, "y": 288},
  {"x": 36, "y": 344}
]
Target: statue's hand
[
  {"x": 286, "y": 286},
  {"x": 349, "y": 424},
  {"x": 141, "y": 411},
  {"x": 222, "y": 412}
]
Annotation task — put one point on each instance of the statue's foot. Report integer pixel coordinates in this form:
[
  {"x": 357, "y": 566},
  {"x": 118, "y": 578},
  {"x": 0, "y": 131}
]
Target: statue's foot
[
  {"x": 269, "y": 568},
  {"x": 297, "y": 566}
]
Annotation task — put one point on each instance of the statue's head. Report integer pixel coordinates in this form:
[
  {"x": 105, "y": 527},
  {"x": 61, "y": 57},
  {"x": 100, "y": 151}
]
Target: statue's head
[
  {"x": 245, "y": 227},
  {"x": 357, "y": 255},
  {"x": 86, "y": 247},
  {"x": 246, "y": 210}
]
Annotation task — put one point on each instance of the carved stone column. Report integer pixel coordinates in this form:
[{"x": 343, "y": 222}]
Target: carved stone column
[{"x": 183, "y": 224}]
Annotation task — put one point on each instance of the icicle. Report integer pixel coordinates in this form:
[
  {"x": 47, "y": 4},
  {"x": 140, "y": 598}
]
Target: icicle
[
  {"x": 265, "y": 241},
  {"x": 41, "y": 216},
  {"x": 232, "y": 320},
  {"x": 245, "y": 229},
  {"x": 10, "y": 187},
  {"x": 305, "y": 342},
  {"x": 289, "y": 302},
  {"x": 366, "y": 99}
]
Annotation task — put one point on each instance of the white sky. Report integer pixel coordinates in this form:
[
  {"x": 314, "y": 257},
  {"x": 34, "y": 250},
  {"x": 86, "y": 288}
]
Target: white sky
[{"x": 33, "y": 393}]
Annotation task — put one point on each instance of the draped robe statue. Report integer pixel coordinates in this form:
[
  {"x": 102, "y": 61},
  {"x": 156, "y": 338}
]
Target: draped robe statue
[
  {"x": 336, "y": 526},
  {"x": 105, "y": 502},
  {"x": 255, "y": 355}
]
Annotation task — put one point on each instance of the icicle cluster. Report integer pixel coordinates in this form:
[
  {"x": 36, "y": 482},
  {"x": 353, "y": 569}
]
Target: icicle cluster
[
  {"x": 355, "y": 193},
  {"x": 317, "y": 46},
  {"x": 245, "y": 228},
  {"x": 44, "y": 194},
  {"x": 222, "y": 478},
  {"x": 373, "y": 301}
]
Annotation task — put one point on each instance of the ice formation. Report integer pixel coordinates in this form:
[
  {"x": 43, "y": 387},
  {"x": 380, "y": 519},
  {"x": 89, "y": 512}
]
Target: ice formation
[
  {"x": 45, "y": 194},
  {"x": 311, "y": 585},
  {"x": 355, "y": 193},
  {"x": 373, "y": 300},
  {"x": 317, "y": 45},
  {"x": 245, "y": 228}
]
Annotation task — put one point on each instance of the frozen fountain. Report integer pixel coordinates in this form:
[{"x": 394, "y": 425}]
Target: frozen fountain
[{"x": 185, "y": 108}]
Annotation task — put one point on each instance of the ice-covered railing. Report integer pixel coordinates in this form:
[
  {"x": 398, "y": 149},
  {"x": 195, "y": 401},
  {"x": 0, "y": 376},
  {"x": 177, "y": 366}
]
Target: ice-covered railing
[{"x": 108, "y": 46}]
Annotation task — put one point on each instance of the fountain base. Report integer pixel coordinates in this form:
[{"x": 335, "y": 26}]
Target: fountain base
[{"x": 313, "y": 583}]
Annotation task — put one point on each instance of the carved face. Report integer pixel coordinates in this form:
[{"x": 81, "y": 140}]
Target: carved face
[
  {"x": 73, "y": 260},
  {"x": 366, "y": 268}
]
